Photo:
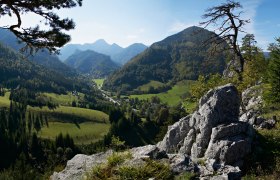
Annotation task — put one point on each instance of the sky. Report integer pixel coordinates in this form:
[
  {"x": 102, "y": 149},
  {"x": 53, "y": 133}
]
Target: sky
[{"x": 125, "y": 22}]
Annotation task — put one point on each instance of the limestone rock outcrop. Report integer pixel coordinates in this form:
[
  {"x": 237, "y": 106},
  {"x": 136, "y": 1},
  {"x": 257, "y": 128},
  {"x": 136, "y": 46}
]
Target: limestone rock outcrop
[
  {"x": 213, "y": 131},
  {"x": 250, "y": 109},
  {"x": 77, "y": 167},
  {"x": 212, "y": 141}
]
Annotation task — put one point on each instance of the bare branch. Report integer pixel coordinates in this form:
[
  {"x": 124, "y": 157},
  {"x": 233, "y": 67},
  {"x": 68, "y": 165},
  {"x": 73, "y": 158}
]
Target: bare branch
[
  {"x": 50, "y": 39},
  {"x": 230, "y": 26}
]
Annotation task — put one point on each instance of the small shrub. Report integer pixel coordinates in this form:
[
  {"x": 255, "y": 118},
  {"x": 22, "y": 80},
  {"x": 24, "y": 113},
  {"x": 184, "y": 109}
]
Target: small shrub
[
  {"x": 116, "y": 143},
  {"x": 118, "y": 158},
  {"x": 201, "y": 162},
  {"x": 151, "y": 169},
  {"x": 115, "y": 169}
]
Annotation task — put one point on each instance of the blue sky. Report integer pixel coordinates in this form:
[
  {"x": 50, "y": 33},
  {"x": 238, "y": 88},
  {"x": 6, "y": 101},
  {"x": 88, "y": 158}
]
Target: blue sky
[{"x": 147, "y": 21}]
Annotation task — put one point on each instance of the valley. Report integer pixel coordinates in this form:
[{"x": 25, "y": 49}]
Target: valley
[{"x": 172, "y": 99}]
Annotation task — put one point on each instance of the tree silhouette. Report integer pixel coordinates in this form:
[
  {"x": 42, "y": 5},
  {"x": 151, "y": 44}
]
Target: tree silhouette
[
  {"x": 34, "y": 37},
  {"x": 229, "y": 25}
]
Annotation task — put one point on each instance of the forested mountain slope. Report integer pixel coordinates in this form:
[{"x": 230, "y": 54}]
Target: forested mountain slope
[
  {"x": 16, "y": 70},
  {"x": 42, "y": 57},
  {"x": 181, "y": 56},
  {"x": 91, "y": 63}
]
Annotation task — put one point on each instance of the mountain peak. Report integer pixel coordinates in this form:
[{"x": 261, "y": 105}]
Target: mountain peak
[
  {"x": 100, "y": 41},
  {"x": 193, "y": 29},
  {"x": 89, "y": 62},
  {"x": 182, "y": 56},
  {"x": 137, "y": 45}
]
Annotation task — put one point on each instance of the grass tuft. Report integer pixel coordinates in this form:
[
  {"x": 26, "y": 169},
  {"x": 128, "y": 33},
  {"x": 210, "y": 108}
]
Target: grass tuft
[{"x": 116, "y": 169}]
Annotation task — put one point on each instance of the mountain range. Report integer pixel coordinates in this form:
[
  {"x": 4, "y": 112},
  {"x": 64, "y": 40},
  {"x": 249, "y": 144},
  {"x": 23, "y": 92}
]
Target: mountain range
[
  {"x": 42, "y": 57},
  {"x": 40, "y": 71},
  {"x": 182, "y": 56},
  {"x": 117, "y": 53},
  {"x": 91, "y": 63}
]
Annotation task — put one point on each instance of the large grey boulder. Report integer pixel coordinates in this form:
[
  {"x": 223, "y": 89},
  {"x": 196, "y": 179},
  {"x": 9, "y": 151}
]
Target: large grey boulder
[
  {"x": 230, "y": 143},
  {"x": 77, "y": 167},
  {"x": 213, "y": 131}
]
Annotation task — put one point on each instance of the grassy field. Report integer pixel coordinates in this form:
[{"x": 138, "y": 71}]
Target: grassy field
[
  {"x": 85, "y": 114},
  {"x": 85, "y": 133},
  {"x": 72, "y": 112},
  {"x": 99, "y": 82},
  {"x": 154, "y": 84},
  {"x": 173, "y": 96},
  {"x": 4, "y": 100},
  {"x": 63, "y": 99},
  {"x": 93, "y": 124}
]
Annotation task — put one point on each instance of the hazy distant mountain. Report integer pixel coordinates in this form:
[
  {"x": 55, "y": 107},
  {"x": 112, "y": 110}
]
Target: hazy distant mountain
[
  {"x": 118, "y": 54},
  {"x": 91, "y": 63},
  {"x": 128, "y": 53},
  {"x": 178, "y": 57},
  {"x": 100, "y": 46},
  {"x": 41, "y": 57}
]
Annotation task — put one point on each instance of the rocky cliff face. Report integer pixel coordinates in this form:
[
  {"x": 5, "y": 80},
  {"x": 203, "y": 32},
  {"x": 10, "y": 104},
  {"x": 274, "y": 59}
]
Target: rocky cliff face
[{"x": 213, "y": 135}]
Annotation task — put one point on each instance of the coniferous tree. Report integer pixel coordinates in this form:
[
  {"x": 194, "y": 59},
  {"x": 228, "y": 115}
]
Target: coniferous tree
[
  {"x": 34, "y": 37},
  {"x": 37, "y": 124},
  {"x": 36, "y": 148},
  {"x": 29, "y": 122},
  {"x": 41, "y": 120},
  {"x": 255, "y": 65},
  {"x": 274, "y": 72},
  {"x": 46, "y": 121}
]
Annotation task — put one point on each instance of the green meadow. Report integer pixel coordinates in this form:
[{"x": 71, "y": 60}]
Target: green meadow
[
  {"x": 63, "y": 99},
  {"x": 174, "y": 96},
  {"x": 81, "y": 114},
  {"x": 154, "y": 84},
  {"x": 84, "y": 133},
  {"x": 4, "y": 100},
  {"x": 99, "y": 82},
  {"x": 83, "y": 125}
]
